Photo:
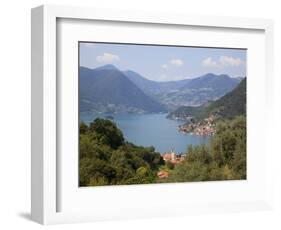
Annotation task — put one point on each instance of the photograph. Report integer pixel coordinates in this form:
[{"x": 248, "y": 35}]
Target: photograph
[{"x": 156, "y": 113}]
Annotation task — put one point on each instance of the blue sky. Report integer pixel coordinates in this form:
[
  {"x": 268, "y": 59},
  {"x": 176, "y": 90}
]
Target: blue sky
[{"x": 165, "y": 63}]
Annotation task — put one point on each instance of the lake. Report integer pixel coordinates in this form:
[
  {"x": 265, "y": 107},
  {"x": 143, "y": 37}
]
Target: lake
[{"x": 151, "y": 130}]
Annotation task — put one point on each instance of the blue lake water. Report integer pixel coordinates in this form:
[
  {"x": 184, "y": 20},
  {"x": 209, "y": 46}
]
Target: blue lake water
[{"x": 151, "y": 130}]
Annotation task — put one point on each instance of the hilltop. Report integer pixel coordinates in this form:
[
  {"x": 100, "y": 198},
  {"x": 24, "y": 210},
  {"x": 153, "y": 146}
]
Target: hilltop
[
  {"x": 227, "y": 107},
  {"x": 108, "y": 90}
]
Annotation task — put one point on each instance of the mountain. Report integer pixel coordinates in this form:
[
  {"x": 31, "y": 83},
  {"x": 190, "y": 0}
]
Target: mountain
[
  {"x": 220, "y": 83},
  {"x": 107, "y": 67},
  {"x": 154, "y": 87},
  {"x": 187, "y": 92},
  {"x": 106, "y": 89},
  {"x": 232, "y": 104},
  {"x": 199, "y": 91},
  {"x": 227, "y": 107}
]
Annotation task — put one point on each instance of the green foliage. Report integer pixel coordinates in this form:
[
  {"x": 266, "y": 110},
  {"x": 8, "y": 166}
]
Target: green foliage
[
  {"x": 232, "y": 104},
  {"x": 229, "y": 106},
  {"x": 170, "y": 165},
  {"x": 83, "y": 128},
  {"x": 106, "y": 159},
  {"x": 107, "y": 133},
  {"x": 223, "y": 159}
]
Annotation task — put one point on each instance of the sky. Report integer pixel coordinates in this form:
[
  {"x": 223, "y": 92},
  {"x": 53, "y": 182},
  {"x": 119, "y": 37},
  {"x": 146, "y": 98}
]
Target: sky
[{"x": 165, "y": 63}]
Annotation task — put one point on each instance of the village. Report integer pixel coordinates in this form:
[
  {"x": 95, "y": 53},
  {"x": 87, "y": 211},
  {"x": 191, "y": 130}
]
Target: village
[
  {"x": 173, "y": 159},
  {"x": 203, "y": 128}
]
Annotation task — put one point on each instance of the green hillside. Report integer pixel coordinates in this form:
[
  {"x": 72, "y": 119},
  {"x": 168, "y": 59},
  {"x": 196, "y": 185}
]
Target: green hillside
[
  {"x": 108, "y": 90},
  {"x": 227, "y": 107}
]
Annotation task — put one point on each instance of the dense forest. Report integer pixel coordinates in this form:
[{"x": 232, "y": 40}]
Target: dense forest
[
  {"x": 223, "y": 159},
  {"x": 106, "y": 158}
]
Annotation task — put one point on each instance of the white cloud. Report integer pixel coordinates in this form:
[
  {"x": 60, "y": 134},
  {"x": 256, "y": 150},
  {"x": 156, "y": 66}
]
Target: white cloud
[
  {"x": 230, "y": 61},
  {"x": 222, "y": 62},
  {"x": 209, "y": 62},
  {"x": 108, "y": 58},
  {"x": 173, "y": 62},
  {"x": 176, "y": 62}
]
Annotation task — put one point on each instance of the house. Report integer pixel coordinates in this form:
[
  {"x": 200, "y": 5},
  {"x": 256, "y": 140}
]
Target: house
[
  {"x": 173, "y": 157},
  {"x": 163, "y": 174},
  {"x": 169, "y": 156}
]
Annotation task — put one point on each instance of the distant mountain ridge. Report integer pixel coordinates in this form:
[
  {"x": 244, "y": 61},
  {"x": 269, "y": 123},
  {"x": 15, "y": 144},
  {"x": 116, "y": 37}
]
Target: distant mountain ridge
[
  {"x": 220, "y": 82},
  {"x": 105, "y": 67},
  {"x": 154, "y": 87},
  {"x": 227, "y": 107},
  {"x": 107, "y": 89},
  {"x": 187, "y": 92}
]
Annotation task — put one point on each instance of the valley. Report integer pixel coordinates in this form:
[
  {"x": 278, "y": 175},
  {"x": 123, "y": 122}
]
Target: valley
[
  {"x": 161, "y": 114},
  {"x": 109, "y": 90}
]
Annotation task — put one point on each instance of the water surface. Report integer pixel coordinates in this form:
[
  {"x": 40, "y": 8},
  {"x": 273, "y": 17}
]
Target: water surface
[{"x": 151, "y": 130}]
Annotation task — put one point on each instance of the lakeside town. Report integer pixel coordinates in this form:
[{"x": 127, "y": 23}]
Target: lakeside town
[
  {"x": 203, "y": 128},
  {"x": 153, "y": 119}
]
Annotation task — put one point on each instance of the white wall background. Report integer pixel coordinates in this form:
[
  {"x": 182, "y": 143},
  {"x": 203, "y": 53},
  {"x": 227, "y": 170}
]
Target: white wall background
[{"x": 15, "y": 112}]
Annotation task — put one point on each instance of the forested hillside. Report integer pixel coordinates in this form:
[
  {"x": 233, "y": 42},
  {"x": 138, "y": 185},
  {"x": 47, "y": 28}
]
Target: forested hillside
[
  {"x": 106, "y": 158},
  {"x": 108, "y": 90},
  {"x": 227, "y": 107},
  {"x": 223, "y": 159}
]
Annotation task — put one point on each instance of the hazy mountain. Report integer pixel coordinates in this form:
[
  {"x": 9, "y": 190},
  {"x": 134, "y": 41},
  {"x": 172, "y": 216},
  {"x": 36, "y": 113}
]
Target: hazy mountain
[
  {"x": 188, "y": 92},
  {"x": 154, "y": 87},
  {"x": 230, "y": 105},
  {"x": 198, "y": 91},
  {"x": 106, "y": 89},
  {"x": 106, "y": 67},
  {"x": 220, "y": 83}
]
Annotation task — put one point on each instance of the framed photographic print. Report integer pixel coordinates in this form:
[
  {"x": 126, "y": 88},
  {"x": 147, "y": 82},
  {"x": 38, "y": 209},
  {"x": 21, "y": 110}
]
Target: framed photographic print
[
  {"x": 154, "y": 124},
  {"x": 141, "y": 114}
]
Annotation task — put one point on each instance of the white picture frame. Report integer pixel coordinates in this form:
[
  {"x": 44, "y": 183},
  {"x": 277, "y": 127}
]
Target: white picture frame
[{"x": 45, "y": 165}]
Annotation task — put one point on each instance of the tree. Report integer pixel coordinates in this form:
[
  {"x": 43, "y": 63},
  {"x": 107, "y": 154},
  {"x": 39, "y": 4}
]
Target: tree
[
  {"x": 223, "y": 159},
  {"x": 106, "y": 158},
  {"x": 107, "y": 132},
  {"x": 170, "y": 165},
  {"x": 83, "y": 128}
]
